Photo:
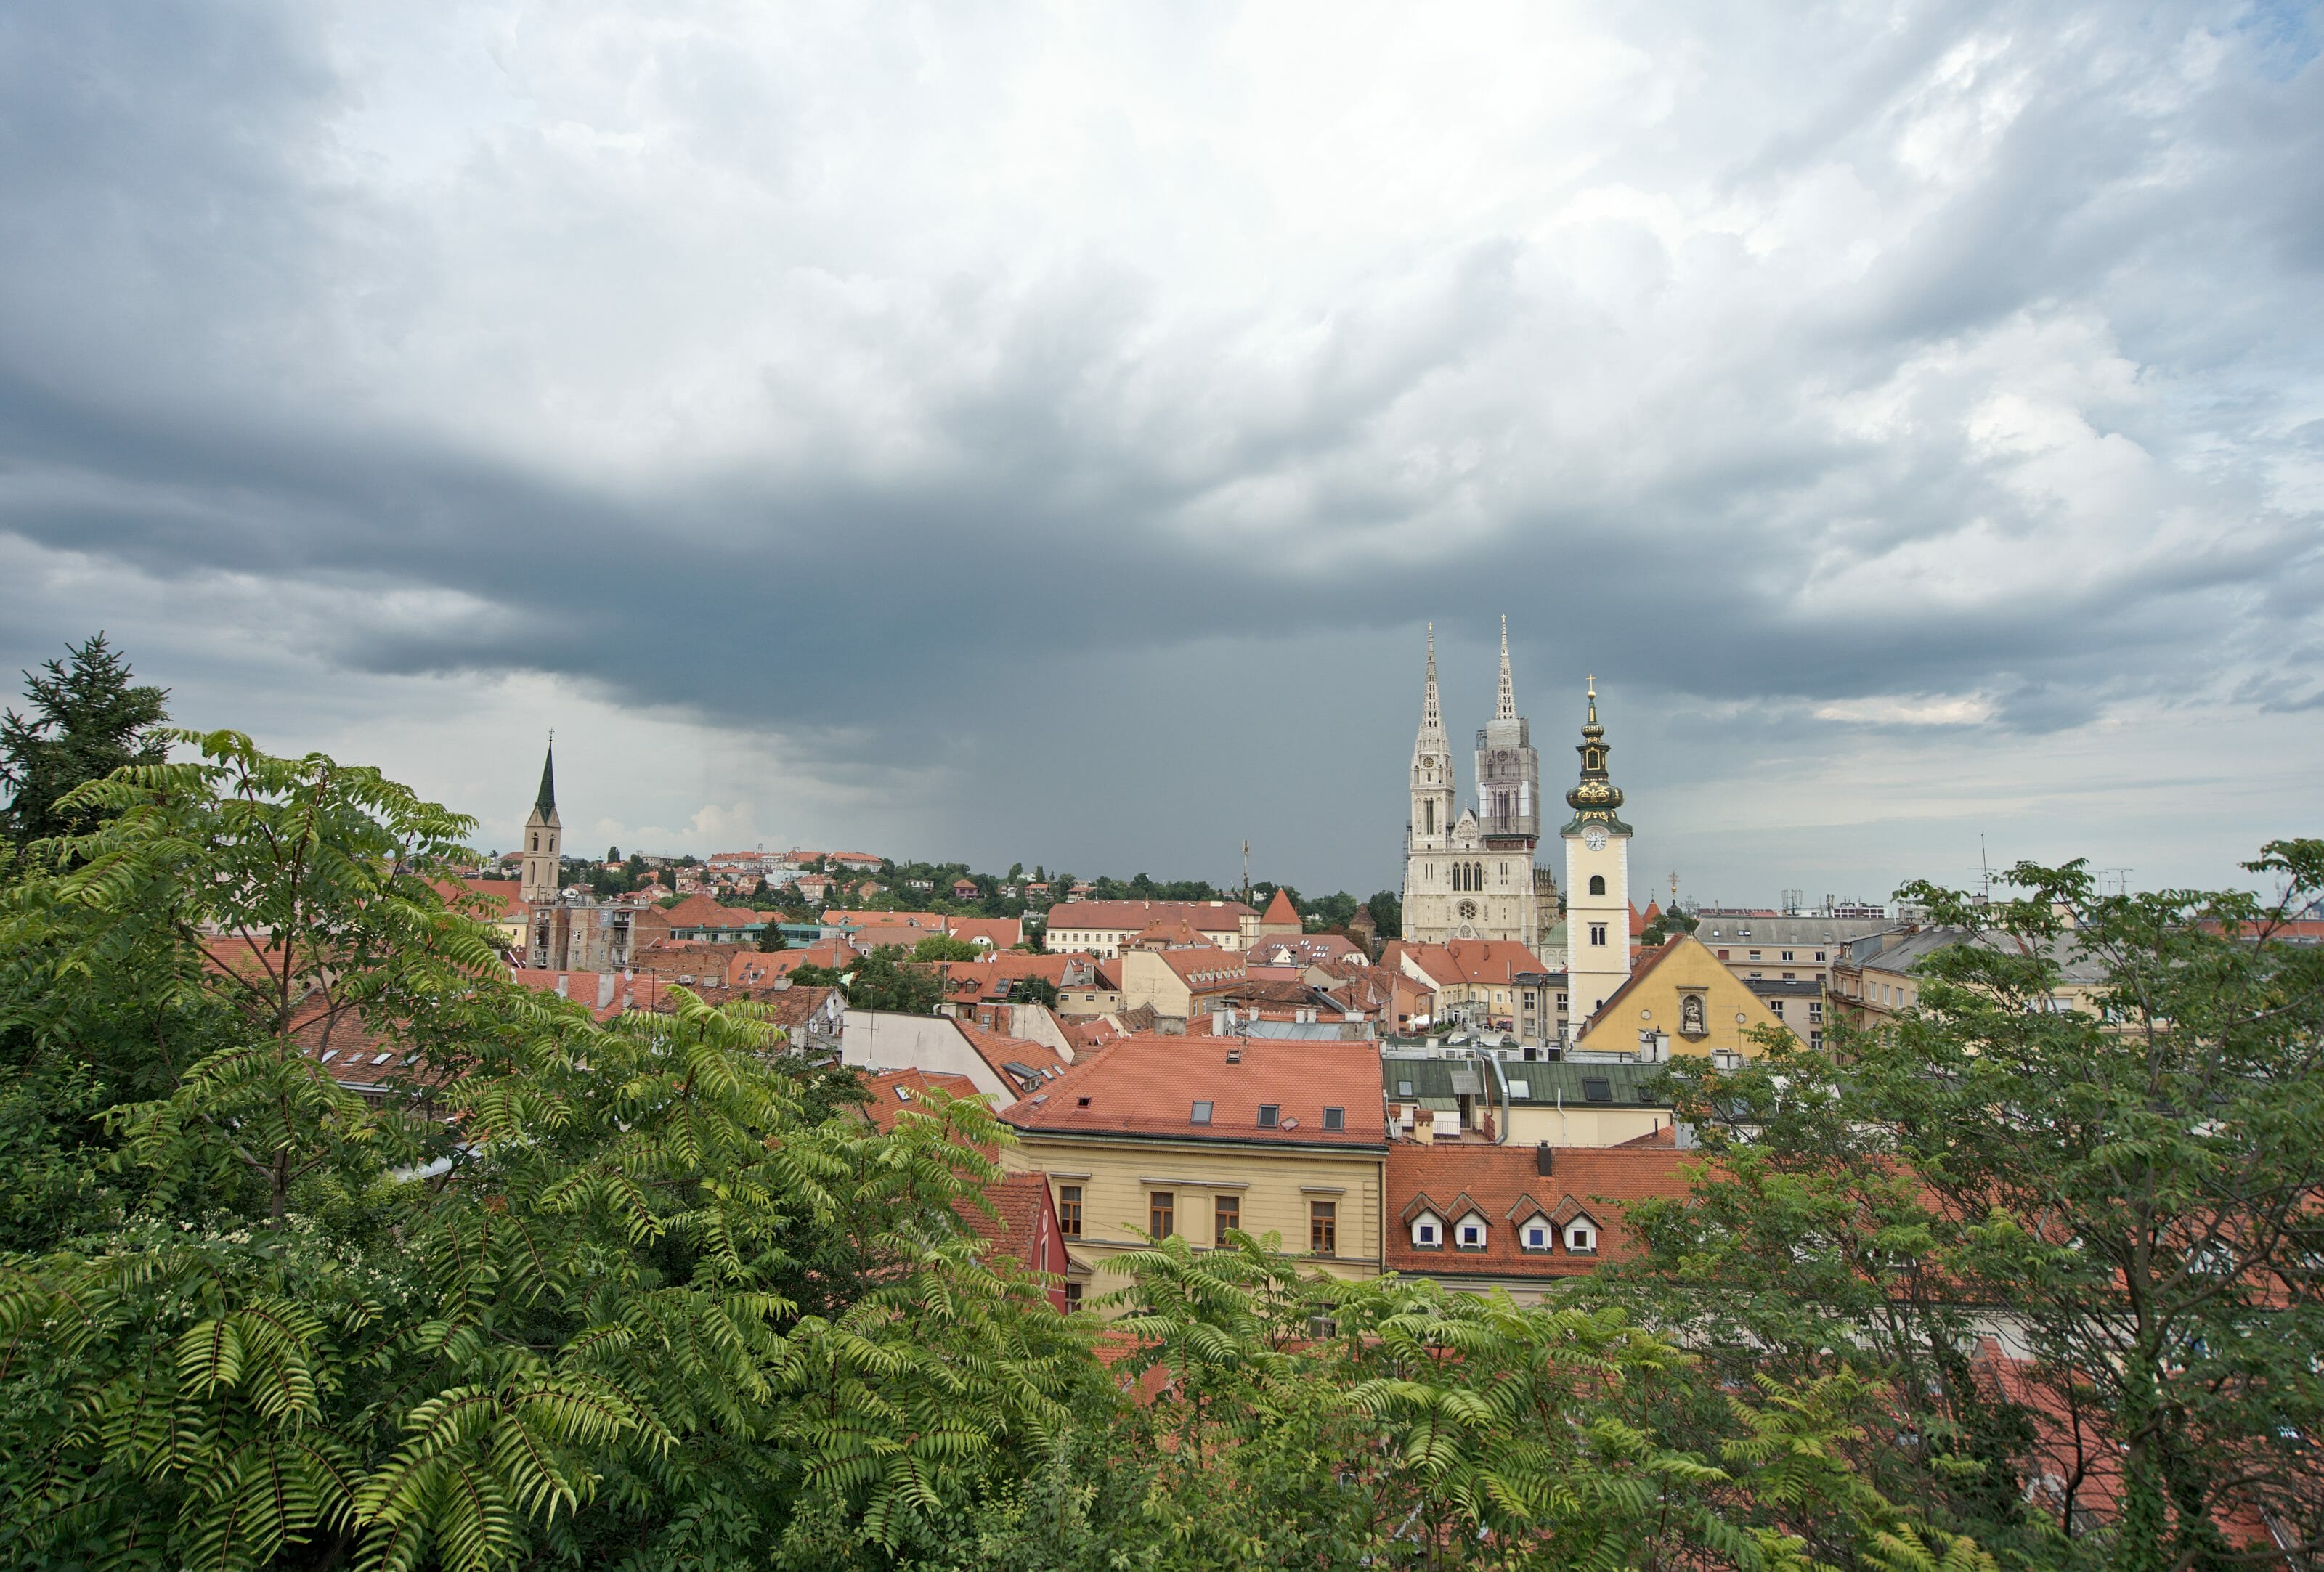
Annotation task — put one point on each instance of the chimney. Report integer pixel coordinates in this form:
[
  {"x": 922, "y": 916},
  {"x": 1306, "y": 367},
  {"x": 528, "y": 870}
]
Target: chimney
[
  {"x": 563, "y": 981},
  {"x": 1543, "y": 1160},
  {"x": 604, "y": 988}
]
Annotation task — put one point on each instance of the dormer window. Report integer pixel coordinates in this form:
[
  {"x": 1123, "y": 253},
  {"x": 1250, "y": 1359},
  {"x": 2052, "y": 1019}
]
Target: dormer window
[
  {"x": 1582, "y": 1237},
  {"x": 1471, "y": 1234},
  {"x": 1427, "y": 1232},
  {"x": 1536, "y": 1233}
]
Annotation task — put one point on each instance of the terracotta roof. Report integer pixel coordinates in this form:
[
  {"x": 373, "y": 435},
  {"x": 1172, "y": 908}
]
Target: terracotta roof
[
  {"x": 1281, "y": 910},
  {"x": 1132, "y": 916},
  {"x": 1311, "y": 950},
  {"x": 1000, "y": 932},
  {"x": 1149, "y": 1085},
  {"x": 926, "y": 921},
  {"x": 503, "y": 893},
  {"x": 1001, "y": 1052},
  {"x": 1503, "y": 1184},
  {"x": 748, "y": 968},
  {"x": 893, "y": 1091},
  {"x": 1204, "y": 964},
  {"x": 699, "y": 910},
  {"x": 1172, "y": 934},
  {"x": 891, "y": 936},
  {"x": 1479, "y": 962}
]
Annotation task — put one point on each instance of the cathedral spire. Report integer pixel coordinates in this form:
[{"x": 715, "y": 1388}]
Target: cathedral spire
[
  {"x": 1505, "y": 707},
  {"x": 1432, "y": 711},
  {"x": 547, "y": 801}
]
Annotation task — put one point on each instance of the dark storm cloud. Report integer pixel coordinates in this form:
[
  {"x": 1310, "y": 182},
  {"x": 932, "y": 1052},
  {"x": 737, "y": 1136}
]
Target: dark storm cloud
[{"x": 586, "y": 364}]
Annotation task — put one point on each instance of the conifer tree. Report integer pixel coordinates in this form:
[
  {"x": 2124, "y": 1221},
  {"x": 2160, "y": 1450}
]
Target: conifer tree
[{"x": 87, "y": 719}]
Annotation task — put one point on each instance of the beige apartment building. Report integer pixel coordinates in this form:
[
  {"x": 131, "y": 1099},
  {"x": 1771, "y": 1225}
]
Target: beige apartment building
[{"x": 1152, "y": 1137}]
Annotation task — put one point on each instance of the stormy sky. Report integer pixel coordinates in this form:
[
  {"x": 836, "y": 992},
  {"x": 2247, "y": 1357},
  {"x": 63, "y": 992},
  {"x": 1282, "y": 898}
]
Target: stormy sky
[{"x": 1042, "y": 433}]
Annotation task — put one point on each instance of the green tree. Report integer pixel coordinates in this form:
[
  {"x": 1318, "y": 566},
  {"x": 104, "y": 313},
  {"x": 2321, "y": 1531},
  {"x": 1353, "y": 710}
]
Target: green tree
[
  {"x": 886, "y": 979},
  {"x": 2130, "y": 1185},
  {"x": 1388, "y": 912},
  {"x": 772, "y": 936},
  {"x": 943, "y": 947},
  {"x": 87, "y": 719},
  {"x": 1034, "y": 990},
  {"x": 567, "y": 1292}
]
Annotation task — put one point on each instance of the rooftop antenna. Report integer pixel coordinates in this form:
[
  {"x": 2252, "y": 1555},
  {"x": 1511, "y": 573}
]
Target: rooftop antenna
[
  {"x": 1246, "y": 870},
  {"x": 1985, "y": 866}
]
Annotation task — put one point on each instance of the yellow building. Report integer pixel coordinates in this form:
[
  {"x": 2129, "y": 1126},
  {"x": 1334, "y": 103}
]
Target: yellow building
[
  {"x": 1686, "y": 1001},
  {"x": 1197, "y": 1135}
]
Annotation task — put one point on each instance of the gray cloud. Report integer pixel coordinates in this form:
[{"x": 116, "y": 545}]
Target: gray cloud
[{"x": 1067, "y": 420}]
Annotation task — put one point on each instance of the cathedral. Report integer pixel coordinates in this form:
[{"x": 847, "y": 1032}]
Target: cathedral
[{"x": 1471, "y": 874}]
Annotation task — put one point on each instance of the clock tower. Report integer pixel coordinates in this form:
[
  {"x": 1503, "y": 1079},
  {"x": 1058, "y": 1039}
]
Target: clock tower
[{"x": 1597, "y": 880}]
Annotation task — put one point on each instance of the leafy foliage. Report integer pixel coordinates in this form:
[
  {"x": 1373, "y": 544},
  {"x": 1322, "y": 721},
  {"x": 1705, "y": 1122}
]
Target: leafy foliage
[{"x": 2123, "y": 1178}]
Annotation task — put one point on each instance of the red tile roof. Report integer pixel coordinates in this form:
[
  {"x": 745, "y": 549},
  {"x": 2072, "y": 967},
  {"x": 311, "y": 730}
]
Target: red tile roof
[
  {"x": 926, "y": 921},
  {"x": 1132, "y": 916},
  {"x": 893, "y": 1092},
  {"x": 1149, "y": 1085},
  {"x": 1501, "y": 1182},
  {"x": 1000, "y": 932},
  {"x": 1281, "y": 911},
  {"x": 999, "y": 1051},
  {"x": 501, "y": 896}
]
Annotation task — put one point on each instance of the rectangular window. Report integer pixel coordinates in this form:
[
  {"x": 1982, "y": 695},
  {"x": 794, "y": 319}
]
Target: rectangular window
[
  {"x": 1201, "y": 1114},
  {"x": 1324, "y": 1228},
  {"x": 1597, "y": 933},
  {"x": 1754, "y": 955},
  {"x": 1268, "y": 1113},
  {"x": 1161, "y": 1215},
  {"x": 1787, "y": 955},
  {"x": 1069, "y": 1210},
  {"x": 1226, "y": 1212},
  {"x": 1072, "y": 1296},
  {"x": 1336, "y": 1118}
]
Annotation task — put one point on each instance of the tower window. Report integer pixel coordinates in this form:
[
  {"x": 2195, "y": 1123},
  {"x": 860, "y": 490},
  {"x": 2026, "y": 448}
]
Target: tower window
[
  {"x": 1597, "y": 884},
  {"x": 1597, "y": 933}
]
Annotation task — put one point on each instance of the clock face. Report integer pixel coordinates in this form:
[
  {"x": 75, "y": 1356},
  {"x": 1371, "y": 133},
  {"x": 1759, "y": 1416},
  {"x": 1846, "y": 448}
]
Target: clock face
[{"x": 1594, "y": 837}]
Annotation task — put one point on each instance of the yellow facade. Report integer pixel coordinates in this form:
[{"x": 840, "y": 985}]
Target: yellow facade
[
  {"x": 1274, "y": 1188},
  {"x": 1722, "y": 1017}
]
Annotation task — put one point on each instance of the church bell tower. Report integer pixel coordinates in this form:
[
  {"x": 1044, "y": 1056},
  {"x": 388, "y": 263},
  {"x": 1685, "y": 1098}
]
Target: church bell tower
[
  {"x": 1597, "y": 880},
  {"x": 544, "y": 837}
]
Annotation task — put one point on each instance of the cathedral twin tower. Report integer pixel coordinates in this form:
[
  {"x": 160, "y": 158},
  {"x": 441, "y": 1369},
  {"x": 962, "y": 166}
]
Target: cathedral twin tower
[{"x": 1471, "y": 874}]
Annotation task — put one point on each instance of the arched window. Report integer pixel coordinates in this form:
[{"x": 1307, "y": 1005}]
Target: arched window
[
  {"x": 536, "y": 842},
  {"x": 1597, "y": 884}
]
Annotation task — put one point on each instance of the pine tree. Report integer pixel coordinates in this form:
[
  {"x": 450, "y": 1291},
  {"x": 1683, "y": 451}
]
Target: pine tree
[{"x": 87, "y": 721}]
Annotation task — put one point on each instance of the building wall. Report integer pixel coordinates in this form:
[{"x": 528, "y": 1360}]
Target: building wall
[
  {"x": 1529, "y": 1125},
  {"x": 1275, "y": 1185},
  {"x": 1594, "y": 972},
  {"x": 1656, "y": 1004},
  {"x": 886, "y": 1040},
  {"x": 1147, "y": 979}
]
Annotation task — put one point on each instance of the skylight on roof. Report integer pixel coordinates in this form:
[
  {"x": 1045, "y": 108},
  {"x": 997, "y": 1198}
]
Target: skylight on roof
[
  {"x": 1596, "y": 1091},
  {"x": 1268, "y": 1114},
  {"x": 1201, "y": 1114}
]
